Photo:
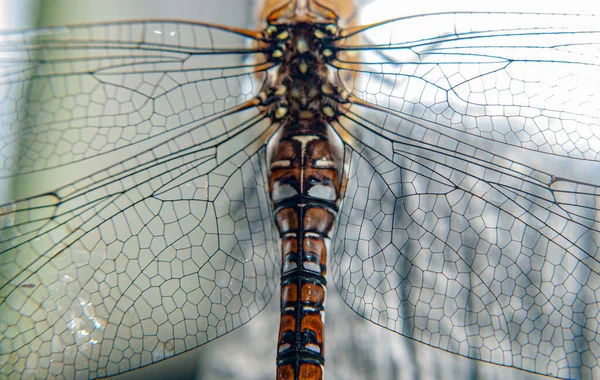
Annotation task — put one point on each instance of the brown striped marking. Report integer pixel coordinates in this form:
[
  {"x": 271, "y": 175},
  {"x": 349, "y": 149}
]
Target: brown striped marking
[
  {"x": 304, "y": 180},
  {"x": 304, "y": 196}
]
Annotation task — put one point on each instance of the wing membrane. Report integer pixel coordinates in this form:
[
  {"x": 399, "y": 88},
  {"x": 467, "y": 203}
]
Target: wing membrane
[
  {"x": 453, "y": 232},
  {"x": 94, "y": 89},
  {"x": 519, "y": 79},
  {"x": 470, "y": 251},
  {"x": 147, "y": 232},
  {"x": 470, "y": 216}
]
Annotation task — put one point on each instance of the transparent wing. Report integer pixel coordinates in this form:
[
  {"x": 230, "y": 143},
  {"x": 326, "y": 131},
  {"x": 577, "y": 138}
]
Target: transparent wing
[
  {"x": 141, "y": 225},
  {"x": 470, "y": 218},
  {"x": 95, "y": 89},
  {"x": 519, "y": 79}
]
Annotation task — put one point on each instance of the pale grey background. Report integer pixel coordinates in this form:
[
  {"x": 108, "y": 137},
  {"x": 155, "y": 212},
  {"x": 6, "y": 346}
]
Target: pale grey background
[{"x": 355, "y": 348}]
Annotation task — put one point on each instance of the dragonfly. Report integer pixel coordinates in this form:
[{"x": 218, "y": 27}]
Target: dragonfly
[{"x": 501, "y": 159}]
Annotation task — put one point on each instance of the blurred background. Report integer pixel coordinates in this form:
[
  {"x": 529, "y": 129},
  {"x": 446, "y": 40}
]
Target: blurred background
[{"x": 355, "y": 348}]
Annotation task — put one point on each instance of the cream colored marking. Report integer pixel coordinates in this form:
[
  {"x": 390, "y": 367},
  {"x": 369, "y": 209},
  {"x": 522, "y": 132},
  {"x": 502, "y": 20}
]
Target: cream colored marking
[
  {"x": 327, "y": 53},
  {"x": 289, "y": 266},
  {"x": 337, "y": 151},
  {"x": 327, "y": 242},
  {"x": 312, "y": 267},
  {"x": 316, "y": 236},
  {"x": 283, "y": 35},
  {"x": 281, "y": 90},
  {"x": 289, "y": 308},
  {"x": 303, "y": 139},
  {"x": 277, "y": 53},
  {"x": 326, "y": 88},
  {"x": 328, "y": 111},
  {"x": 281, "y": 164},
  {"x": 313, "y": 235},
  {"x": 322, "y": 192},
  {"x": 319, "y": 33},
  {"x": 302, "y": 46},
  {"x": 284, "y": 347},
  {"x": 324, "y": 163},
  {"x": 313, "y": 347},
  {"x": 303, "y": 67},
  {"x": 281, "y": 192},
  {"x": 305, "y": 114},
  {"x": 280, "y": 112},
  {"x": 331, "y": 28},
  {"x": 262, "y": 96},
  {"x": 270, "y": 30}
]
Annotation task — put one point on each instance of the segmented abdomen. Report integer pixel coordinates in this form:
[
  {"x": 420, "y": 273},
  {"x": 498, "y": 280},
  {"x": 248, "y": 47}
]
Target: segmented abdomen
[{"x": 304, "y": 189}]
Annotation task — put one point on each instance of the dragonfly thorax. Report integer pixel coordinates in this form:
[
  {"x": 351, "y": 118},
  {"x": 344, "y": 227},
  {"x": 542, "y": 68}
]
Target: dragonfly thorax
[{"x": 301, "y": 85}]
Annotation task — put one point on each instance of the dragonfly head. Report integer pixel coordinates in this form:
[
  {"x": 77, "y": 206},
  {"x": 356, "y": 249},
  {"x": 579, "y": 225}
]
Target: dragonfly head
[{"x": 338, "y": 12}]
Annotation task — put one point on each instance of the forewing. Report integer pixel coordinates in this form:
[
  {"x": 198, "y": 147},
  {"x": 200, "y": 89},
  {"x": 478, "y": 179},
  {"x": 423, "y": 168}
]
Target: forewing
[
  {"x": 478, "y": 242},
  {"x": 527, "y": 80},
  {"x": 75, "y": 92},
  {"x": 141, "y": 241}
]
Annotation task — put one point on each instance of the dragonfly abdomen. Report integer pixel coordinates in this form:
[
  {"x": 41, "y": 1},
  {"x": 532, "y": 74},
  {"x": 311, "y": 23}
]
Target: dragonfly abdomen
[
  {"x": 304, "y": 181},
  {"x": 304, "y": 191}
]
